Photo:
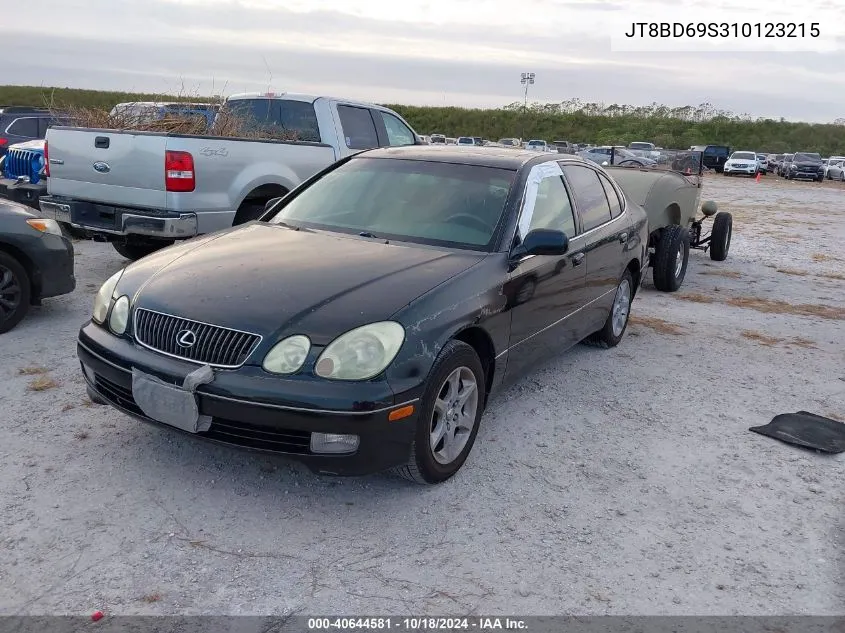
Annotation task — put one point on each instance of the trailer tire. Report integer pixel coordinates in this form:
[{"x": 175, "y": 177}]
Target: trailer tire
[
  {"x": 668, "y": 272},
  {"x": 720, "y": 236}
]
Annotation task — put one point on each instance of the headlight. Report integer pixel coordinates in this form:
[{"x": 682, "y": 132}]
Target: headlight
[
  {"x": 119, "y": 315},
  {"x": 361, "y": 353},
  {"x": 45, "y": 225},
  {"x": 288, "y": 355},
  {"x": 103, "y": 299}
]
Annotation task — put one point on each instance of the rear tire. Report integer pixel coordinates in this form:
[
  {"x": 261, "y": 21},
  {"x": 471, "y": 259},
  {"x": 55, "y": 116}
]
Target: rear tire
[
  {"x": 136, "y": 250},
  {"x": 423, "y": 467},
  {"x": 720, "y": 236},
  {"x": 617, "y": 321},
  {"x": 248, "y": 212},
  {"x": 671, "y": 258},
  {"x": 15, "y": 292}
]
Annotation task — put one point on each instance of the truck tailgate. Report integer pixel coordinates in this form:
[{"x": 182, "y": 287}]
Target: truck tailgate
[{"x": 107, "y": 166}]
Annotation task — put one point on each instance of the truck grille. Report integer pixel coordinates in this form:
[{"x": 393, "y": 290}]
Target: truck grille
[
  {"x": 205, "y": 344},
  {"x": 21, "y": 162}
]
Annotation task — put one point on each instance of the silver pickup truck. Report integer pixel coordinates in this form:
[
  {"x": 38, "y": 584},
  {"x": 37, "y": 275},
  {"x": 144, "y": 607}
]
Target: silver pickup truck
[{"x": 144, "y": 190}]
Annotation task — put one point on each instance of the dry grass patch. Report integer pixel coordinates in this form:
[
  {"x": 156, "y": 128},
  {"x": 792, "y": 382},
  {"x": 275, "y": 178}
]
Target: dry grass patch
[
  {"x": 762, "y": 339},
  {"x": 839, "y": 276},
  {"x": 835, "y": 416},
  {"x": 696, "y": 297},
  {"x": 33, "y": 370},
  {"x": 81, "y": 435},
  {"x": 151, "y": 597},
  {"x": 822, "y": 257},
  {"x": 793, "y": 271},
  {"x": 722, "y": 273},
  {"x": 782, "y": 307},
  {"x": 42, "y": 383},
  {"x": 800, "y": 341},
  {"x": 658, "y": 325},
  {"x": 68, "y": 407}
]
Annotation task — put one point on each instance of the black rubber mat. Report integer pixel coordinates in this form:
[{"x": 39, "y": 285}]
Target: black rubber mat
[{"x": 806, "y": 429}]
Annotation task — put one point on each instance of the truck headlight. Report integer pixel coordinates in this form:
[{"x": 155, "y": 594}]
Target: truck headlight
[
  {"x": 288, "y": 355},
  {"x": 119, "y": 315},
  {"x": 361, "y": 353},
  {"x": 103, "y": 298}
]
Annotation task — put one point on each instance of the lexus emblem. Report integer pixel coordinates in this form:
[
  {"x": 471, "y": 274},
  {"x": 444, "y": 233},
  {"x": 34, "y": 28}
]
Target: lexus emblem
[{"x": 186, "y": 338}]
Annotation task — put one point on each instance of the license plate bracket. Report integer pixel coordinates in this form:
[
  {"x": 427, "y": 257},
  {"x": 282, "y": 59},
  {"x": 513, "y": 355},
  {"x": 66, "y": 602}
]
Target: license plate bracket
[{"x": 167, "y": 403}]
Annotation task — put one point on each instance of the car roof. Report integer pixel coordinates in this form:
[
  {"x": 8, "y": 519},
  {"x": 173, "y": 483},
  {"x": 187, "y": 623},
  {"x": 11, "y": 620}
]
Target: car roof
[{"x": 490, "y": 156}]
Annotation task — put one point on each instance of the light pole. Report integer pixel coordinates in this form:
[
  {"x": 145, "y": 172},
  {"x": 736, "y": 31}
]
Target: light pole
[{"x": 526, "y": 80}]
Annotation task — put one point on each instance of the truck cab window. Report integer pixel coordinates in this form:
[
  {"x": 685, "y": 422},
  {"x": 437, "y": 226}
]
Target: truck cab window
[
  {"x": 359, "y": 130},
  {"x": 397, "y": 132}
]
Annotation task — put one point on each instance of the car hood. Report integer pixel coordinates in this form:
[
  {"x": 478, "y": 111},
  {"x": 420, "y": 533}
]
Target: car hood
[{"x": 274, "y": 281}]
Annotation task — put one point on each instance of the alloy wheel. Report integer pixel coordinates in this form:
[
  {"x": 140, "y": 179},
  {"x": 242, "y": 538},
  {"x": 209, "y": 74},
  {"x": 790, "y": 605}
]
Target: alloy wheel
[{"x": 454, "y": 415}]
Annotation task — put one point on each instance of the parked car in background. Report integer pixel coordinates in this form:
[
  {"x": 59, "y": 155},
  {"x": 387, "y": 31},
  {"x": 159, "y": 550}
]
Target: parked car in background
[
  {"x": 741, "y": 163},
  {"x": 806, "y": 166},
  {"x": 143, "y": 190},
  {"x": 465, "y": 140},
  {"x": 141, "y": 112},
  {"x": 762, "y": 164},
  {"x": 644, "y": 149},
  {"x": 564, "y": 147},
  {"x": 510, "y": 142},
  {"x": 713, "y": 156},
  {"x": 615, "y": 155},
  {"x": 36, "y": 262},
  {"x": 836, "y": 169},
  {"x": 453, "y": 272},
  {"x": 833, "y": 162},
  {"x": 437, "y": 139},
  {"x": 24, "y": 123},
  {"x": 537, "y": 145},
  {"x": 424, "y": 140},
  {"x": 787, "y": 158},
  {"x": 23, "y": 173}
]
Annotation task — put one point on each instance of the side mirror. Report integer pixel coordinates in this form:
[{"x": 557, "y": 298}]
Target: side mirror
[
  {"x": 542, "y": 242},
  {"x": 271, "y": 203}
]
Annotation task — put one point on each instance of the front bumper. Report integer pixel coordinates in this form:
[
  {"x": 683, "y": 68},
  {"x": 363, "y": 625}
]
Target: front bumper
[
  {"x": 119, "y": 221},
  {"x": 265, "y": 420},
  {"x": 748, "y": 171},
  {"x": 22, "y": 192},
  {"x": 810, "y": 174},
  {"x": 52, "y": 259}
]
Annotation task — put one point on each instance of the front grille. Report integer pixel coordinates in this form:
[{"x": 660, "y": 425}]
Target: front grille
[
  {"x": 211, "y": 344},
  {"x": 222, "y": 430},
  {"x": 21, "y": 162}
]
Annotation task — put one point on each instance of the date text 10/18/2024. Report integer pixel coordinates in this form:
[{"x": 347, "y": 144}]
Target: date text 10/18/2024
[{"x": 481, "y": 624}]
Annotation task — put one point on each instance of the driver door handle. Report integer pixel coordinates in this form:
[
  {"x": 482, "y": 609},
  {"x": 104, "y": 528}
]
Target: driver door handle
[{"x": 577, "y": 259}]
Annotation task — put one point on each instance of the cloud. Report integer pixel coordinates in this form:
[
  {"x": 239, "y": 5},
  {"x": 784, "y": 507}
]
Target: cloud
[{"x": 460, "y": 52}]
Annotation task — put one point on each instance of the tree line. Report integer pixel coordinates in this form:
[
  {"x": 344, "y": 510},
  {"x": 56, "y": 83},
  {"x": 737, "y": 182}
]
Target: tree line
[{"x": 573, "y": 120}]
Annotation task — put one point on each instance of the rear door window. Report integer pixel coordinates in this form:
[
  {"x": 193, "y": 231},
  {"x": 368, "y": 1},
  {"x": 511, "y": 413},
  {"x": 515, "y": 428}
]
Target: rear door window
[
  {"x": 590, "y": 199},
  {"x": 359, "y": 129},
  {"x": 24, "y": 127},
  {"x": 612, "y": 197}
]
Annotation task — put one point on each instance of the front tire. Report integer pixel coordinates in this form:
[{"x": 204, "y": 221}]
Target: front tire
[
  {"x": 447, "y": 425},
  {"x": 671, "y": 258},
  {"x": 617, "y": 321},
  {"x": 15, "y": 292},
  {"x": 720, "y": 236}
]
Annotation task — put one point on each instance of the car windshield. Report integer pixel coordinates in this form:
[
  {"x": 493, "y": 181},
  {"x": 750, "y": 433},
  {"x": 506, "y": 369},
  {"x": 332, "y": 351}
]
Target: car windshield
[
  {"x": 427, "y": 202},
  {"x": 506, "y": 141},
  {"x": 806, "y": 156},
  {"x": 761, "y": 157},
  {"x": 743, "y": 156},
  {"x": 647, "y": 146},
  {"x": 536, "y": 143},
  {"x": 465, "y": 140}
]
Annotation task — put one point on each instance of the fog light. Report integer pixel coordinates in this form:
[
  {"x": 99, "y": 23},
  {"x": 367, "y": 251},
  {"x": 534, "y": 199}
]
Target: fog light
[
  {"x": 333, "y": 443},
  {"x": 89, "y": 373}
]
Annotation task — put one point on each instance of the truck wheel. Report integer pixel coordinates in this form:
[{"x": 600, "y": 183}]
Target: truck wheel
[
  {"x": 720, "y": 236},
  {"x": 137, "y": 250},
  {"x": 15, "y": 292},
  {"x": 670, "y": 258}
]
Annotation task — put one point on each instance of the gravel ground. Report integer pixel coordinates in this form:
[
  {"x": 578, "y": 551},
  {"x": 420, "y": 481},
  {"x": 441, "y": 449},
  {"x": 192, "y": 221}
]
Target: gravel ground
[{"x": 608, "y": 482}]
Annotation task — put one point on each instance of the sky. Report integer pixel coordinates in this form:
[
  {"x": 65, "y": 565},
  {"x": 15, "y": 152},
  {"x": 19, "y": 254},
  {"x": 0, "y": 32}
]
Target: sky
[{"x": 435, "y": 52}]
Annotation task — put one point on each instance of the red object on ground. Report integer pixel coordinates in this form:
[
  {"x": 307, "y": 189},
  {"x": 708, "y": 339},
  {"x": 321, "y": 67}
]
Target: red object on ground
[
  {"x": 97, "y": 615},
  {"x": 758, "y": 177}
]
